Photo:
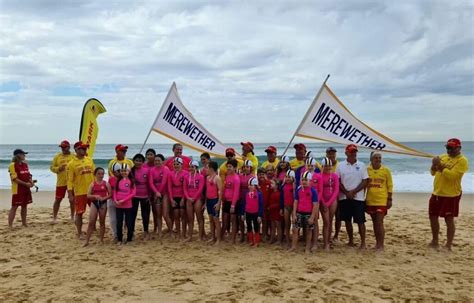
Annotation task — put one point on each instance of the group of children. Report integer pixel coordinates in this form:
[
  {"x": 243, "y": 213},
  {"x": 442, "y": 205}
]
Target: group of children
[{"x": 267, "y": 203}]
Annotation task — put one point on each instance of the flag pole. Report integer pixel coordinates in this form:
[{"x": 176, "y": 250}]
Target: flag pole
[
  {"x": 306, "y": 115},
  {"x": 151, "y": 128}
]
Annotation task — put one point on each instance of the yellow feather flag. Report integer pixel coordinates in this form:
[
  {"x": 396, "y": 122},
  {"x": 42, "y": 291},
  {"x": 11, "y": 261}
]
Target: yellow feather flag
[{"x": 89, "y": 127}]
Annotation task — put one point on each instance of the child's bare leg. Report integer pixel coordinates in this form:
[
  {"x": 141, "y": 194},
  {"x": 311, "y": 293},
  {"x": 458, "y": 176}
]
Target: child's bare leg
[
  {"x": 265, "y": 229},
  {"x": 153, "y": 208},
  {"x": 294, "y": 241},
  {"x": 242, "y": 229},
  {"x": 159, "y": 219},
  {"x": 332, "y": 213},
  {"x": 184, "y": 221},
  {"x": 309, "y": 236},
  {"x": 190, "y": 218},
  {"x": 199, "y": 217},
  {"x": 11, "y": 215},
  {"x": 168, "y": 213},
  {"x": 326, "y": 227},
  {"x": 225, "y": 224},
  {"x": 288, "y": 226},
  {"x": 451, "y": 229},
  {"x": 212, "y": 229},
  {"x": 102, "y": 216},
  {"x": 177, "y": 222},
  {"x": 314, "y": 240},
  {"x": 234, "y": 227},
  {"x": 272, "y": 232},
  {"x": 218, "y": 231},
  {"x": 91, "y": 225}
]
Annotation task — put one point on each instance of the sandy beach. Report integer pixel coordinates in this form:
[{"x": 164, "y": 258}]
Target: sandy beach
[{"x": 47, "y": 263}]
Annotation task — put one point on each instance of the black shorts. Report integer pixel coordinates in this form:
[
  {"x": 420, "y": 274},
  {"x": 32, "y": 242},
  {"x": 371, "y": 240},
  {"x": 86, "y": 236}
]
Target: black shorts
[
  {"x": 352, "y": 209},
  {"x": 99, "y": 204},
  {"x": 226, "y": 207},
  {"x": 180, "y": 203},
  {"x": 239, "y": 208}
]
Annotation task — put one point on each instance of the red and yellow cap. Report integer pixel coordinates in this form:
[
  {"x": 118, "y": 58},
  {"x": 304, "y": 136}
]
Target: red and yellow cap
[
  {"x": 453, "y": 142},
  {"x": 351, "y": 148},
  {"x": 121, "y": 147},
  {"x": 64, "y": 143}
]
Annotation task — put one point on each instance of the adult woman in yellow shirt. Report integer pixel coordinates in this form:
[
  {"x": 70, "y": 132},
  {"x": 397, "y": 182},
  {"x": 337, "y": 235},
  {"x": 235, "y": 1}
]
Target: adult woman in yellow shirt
[{"x": 379, "y": 196}]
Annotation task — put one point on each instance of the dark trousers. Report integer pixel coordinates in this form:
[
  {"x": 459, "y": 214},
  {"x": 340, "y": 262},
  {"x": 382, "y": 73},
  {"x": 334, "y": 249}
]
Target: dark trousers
[
  {"x": 124, "y": 213},
  {"x": 251, "y": 220},
  {"x": 145, "y": 208}
]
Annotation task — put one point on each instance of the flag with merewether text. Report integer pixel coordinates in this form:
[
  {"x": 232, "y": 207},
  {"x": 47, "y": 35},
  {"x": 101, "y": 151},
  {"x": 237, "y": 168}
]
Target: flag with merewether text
[
  {"x": 177, "y": 123},
  {"x": 328, "y": 119},
  {"x": 89, "y": 130}
]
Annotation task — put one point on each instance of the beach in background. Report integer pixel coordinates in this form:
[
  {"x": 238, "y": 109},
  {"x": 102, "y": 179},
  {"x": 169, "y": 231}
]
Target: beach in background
[
  {"x": 47, "y": 263},
  {"x": 410, "y": 174}
]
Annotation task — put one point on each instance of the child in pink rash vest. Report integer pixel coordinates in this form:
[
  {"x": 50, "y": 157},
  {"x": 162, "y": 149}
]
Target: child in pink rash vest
[
  {"x": 316, "y": 183},
  {"x": 253, "y": 205},
  {"x": 305, "y": 211},
  {"x": 193, "y": 193},
  {"x": 283, "y": 167},
  {"x": 287, "y": 199},
  {"x": 213, "y": 200},
  {"x": 122, "y": 195},
  {"x": 158, "y": 182},
  {"x": 170, "y": 162},
  {"x": 111, "y": 208},
  {"x": 244, "y": 178},
  {"x": 176, "y": 182},
  {"x": 231, "y": 197},
  {"x": 141, "y": 172},
  {"x": 328, "y": 197}
]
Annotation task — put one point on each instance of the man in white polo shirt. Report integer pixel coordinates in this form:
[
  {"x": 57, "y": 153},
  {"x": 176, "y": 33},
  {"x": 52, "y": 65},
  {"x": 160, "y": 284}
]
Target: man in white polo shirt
[{"x": 353, "y": 181}]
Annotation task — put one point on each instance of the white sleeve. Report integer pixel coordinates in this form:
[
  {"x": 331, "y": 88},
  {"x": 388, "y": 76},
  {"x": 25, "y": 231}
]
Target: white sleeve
[{"x": 338, "y": 170}]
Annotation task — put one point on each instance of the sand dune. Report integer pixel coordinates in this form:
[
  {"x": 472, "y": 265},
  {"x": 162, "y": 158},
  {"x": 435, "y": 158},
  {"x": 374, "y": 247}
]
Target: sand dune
[{"x": 47, "y": 263}]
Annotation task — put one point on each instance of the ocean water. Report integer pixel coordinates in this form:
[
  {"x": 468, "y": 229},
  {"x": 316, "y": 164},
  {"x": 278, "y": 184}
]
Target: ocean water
[{"x": 410, "y": 174}]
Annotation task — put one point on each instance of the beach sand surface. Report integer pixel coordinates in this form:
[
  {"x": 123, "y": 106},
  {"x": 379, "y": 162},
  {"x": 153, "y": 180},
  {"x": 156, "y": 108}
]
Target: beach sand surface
[{"x": 46, "y": 263}]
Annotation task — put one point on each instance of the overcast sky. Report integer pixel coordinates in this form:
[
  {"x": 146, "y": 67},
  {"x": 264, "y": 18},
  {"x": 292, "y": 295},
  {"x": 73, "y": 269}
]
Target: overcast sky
[{"x": 246, "y": 71}]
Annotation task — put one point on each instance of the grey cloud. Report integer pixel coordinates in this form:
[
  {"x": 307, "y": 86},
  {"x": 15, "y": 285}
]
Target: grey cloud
[{"x": 240, "y": 62}]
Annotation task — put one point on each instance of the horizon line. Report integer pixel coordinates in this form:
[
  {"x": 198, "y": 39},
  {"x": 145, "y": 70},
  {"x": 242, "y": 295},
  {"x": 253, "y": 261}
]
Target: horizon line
[{"x": 233, "y": 143}]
